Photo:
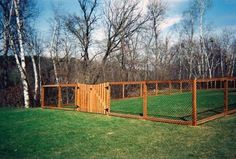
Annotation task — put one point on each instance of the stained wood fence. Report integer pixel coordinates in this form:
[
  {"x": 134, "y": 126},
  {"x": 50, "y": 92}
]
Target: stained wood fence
[{"x": 98, "y": 98}]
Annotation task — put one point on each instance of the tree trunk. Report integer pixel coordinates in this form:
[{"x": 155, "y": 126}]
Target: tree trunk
[
  {"x": 55, "y": 70},
  {"x": 40, "y": 75},
  {"x": 5, "y": 56},
  {"x": 22, "y": 65},
  {"x": 233, "y": 66},
  {"x": 221, "y": 64},
  {"x": 35, "y": 80},
  {"x": 52, "y": 57}
]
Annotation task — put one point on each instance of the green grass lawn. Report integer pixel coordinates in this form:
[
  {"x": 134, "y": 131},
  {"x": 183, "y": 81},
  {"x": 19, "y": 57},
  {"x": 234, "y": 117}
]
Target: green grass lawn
[
  {"x": 177, "y": 106},
  {"x": 36, "y": 133}
]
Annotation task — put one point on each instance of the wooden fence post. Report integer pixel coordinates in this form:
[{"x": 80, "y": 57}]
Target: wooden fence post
[
  {"x": 59, "y": 96},
  {"x": 108, "y": 98},
  {"x": 141, "y": 90},
  {"x": 75, "y": 95},
  {"x": 194, "y": 102},
  {"x": 181, "y": 87},
  {"x": 144, "y": 100},
  {"x": 235, "y": 83},
  {"x": 156, "y": 90},
  {"x": 123, "y": 91},
  {"x": 42, "y": 97},
  {"x": 169, "y": 87},
  {"x": 225, "y": 97}
]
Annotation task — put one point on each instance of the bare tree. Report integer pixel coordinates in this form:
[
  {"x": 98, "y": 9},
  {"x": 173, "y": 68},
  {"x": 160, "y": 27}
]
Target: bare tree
[
  {"x": 82, "y": 26},
  {"x": 227, "y": 54},
  {"x": 201, "y": 7},
  {"x": 54, "y": 44},
  {"x": 188, "y": 45},
  {"x": 156, "y": 11},
  {"x": 121, "y": 19}
]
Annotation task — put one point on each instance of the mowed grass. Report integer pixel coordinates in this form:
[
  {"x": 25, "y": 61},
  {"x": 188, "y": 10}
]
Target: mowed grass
[
  {"x": 36, "y": 133},
  {"x": 178, "y": 105}
]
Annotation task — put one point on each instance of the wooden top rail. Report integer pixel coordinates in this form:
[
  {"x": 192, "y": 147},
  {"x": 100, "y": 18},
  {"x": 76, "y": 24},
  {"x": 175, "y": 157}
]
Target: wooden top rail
[
  {"x": 132, "y": 82},
  {"x": 216, "y": 79},
  {"x": 61, "y": 85},
  {"x": 172, "y": 81},
  {"x": 148, "y": 82}
]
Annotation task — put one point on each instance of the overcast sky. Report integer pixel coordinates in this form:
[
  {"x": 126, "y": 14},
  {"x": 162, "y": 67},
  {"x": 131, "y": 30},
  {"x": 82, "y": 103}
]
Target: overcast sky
[{"x": 221, "y": 15}]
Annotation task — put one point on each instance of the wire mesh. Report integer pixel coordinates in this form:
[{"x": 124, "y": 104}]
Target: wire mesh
[
  {"x": 231, "y": 95},
  {"x": 116, "y": 91},
  {"x": 175, "y": 87},
  {"x": 152, "y": 88},
  {"x": 163, "y": 88},
  {"x": 68, "y": 97},
  {"x": 173, "y": 101},
  {"x": 219, "y": 84},
  {"x": 170, "y": 100},
  {"x": 210, "y": 98},
  {"x": 51, "y": 96},
  {"x": 126, "y": 99},
  {"x": 132, "y": 90}
]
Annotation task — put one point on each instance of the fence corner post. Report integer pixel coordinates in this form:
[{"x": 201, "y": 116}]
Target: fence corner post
[
  {"x": 225, "y": 97},
  {"x": 144, "y": 100},
  {"x": 194, "y": 102},
  {"x": 42, "y": 97}
]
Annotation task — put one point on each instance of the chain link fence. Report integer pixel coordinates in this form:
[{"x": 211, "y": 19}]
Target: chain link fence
[
  {"x": 59, "y": 96},
  {"x": 232, "y": 94},
  {"x": 126, "y": 98},
  {"x": 172, "y": 100},
  {"x": 181, "y": 101},
  {"x": 51, "y": 96},
  {"x": 210, "y": 98}
]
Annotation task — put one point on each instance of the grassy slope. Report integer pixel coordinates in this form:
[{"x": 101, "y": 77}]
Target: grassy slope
[
  {"x": 176, "y": 105},
  {"x": 40, "y": 133}
]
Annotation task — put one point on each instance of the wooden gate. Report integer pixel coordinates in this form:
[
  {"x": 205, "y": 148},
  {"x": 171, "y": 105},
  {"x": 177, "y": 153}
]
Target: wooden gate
[{"x": 93, "y": 98}]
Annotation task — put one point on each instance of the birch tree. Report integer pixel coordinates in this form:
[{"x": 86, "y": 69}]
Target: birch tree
[
  {"x": 32, "y": 52},
  {"x": 53, "y": 49},
  {"x": 227, "y": 53},
  {"x": 21, "y": 64},
  {"x": 188, "y": 45},
  {"x": 201, "y": 7}
]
